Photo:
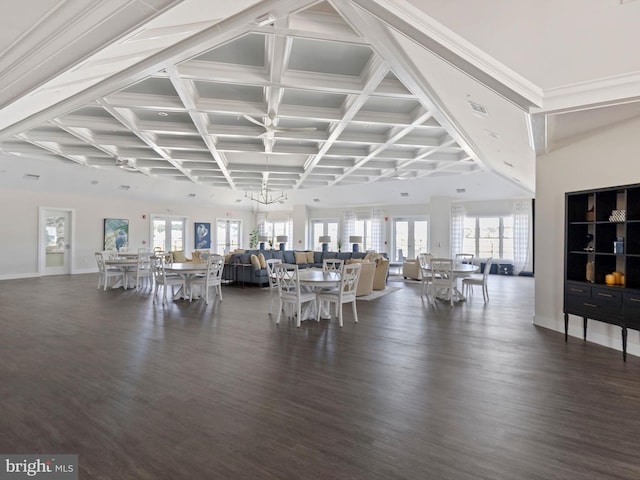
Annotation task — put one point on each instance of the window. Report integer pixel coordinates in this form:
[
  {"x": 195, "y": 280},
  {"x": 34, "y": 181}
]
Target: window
[
  {"x": 363, "y": 229},
  {"x": 489, "y": 237},
  {"x": 277, "y": 228},
  {"x": 168, "y": 233},
  {"x": 320, "y": 228}
]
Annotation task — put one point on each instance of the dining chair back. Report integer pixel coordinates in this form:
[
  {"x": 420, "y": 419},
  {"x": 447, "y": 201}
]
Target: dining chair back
[
  {"x": 442, "y": 279},
  {"x": 468, "y": 283},
  {"x": 289, "y": 291},
  {"x": 273, "y": 282},
  {"x": 161, "y": 279},
  {"x": 212, "y": 279},
  {"x": 464, "y": 258},
  {"x": 345, "y": 293},
  {"x": 332, "y": 265},
  {"x": 105, "y": 272},
  {"x": 424, "y": 260},
  {"x": 143, "y": 269}
]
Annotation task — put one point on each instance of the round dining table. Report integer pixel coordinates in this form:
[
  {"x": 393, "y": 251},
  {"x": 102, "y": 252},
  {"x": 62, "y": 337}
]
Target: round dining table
[{"x": 458, "y": 270}]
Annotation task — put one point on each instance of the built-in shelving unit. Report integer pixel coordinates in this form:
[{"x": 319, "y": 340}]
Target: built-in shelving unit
[{"x": 602, "y": 257}]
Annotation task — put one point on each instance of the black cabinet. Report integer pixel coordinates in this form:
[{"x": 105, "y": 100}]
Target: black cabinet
[{"x": 602, "y": 257}]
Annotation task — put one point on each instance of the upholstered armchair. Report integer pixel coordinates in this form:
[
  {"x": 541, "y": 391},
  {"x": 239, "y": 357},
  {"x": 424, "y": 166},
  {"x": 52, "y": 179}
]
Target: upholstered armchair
[{"x": 411, "y": 269}]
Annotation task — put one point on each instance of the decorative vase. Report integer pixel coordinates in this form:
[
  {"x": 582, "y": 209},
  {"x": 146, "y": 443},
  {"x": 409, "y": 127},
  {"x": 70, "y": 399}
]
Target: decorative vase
[{"x": 590, "y": 273}]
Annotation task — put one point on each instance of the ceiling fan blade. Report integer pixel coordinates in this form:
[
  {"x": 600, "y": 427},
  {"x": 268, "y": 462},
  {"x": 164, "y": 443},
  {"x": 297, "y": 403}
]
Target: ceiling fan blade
[
  {"x": 294, "y": 129},
  {"x": 253, "y": 120}
]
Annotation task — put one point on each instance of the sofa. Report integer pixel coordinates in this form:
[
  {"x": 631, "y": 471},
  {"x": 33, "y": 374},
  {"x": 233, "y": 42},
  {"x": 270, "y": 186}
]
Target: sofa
[{"x": 246, "y": 266}]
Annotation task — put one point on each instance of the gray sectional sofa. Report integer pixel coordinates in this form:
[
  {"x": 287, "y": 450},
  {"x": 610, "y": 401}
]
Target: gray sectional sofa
[{"x": 238, "y": 266}]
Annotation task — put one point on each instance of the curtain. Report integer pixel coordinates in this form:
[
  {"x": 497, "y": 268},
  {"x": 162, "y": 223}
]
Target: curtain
[
  {"x": 377, "y": 230},
  {"x": 348, "y": 228},
  {"x": 260, "y": 221},
  {"x": 521, "y": 222},
  {"x": 457, "y": 228}
]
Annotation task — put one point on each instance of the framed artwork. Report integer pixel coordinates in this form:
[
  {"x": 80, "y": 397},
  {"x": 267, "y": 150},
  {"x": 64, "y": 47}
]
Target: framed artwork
[
  {"x": 116, "y": 234},
  {"x": 202, "y": 235}
]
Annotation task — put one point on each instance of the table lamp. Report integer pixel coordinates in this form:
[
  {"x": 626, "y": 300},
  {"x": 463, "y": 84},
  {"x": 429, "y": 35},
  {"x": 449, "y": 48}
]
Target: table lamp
[
  {"x": 282, "y": 239},
  {"x": 355, "y": 241},
  {"x": 262, "y": 239},
  {"x": 325, "y": 240}
]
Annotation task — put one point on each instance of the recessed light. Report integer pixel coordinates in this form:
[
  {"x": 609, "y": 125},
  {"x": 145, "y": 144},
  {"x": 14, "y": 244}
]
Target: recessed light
[
  {"x": 94, "y": 182},
  {"x": 163, "y": 114},
  {"x": 238, "y": 200},
  {"x": 316, "y": 200},
  {"x": 191, "y": 195},
  {"x": 508, "y": 164},
  {"x": 461, "y": 190},
  {"x": 31, "y": 176},
  {"x": 124, "y": 187},
  {"x": 366, "y": 125},
  {"x": 404, "y": 194}
]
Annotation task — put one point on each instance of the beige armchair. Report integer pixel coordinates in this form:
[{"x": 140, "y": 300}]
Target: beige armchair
[
  {"x": 367, "y": 276},
  {"x": 380, "y": 277},
  {"x": 411, "y": 269}
]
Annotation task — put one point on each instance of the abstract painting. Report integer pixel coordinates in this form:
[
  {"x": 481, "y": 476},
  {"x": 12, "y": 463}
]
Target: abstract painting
[
  {"x": 202, "y": 235},
  {"x": 116, "y": 234}
]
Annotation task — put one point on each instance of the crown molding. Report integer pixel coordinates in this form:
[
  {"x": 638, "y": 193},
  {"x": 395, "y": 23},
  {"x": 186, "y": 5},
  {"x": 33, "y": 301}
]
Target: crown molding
[{"x": 603, "y": 91}]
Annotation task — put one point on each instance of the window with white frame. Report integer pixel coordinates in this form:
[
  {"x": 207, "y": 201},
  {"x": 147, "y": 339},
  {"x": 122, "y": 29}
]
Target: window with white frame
[
  {"x": 362, "y": 228},
  {"x": 489, "y": 237},
  {"x": 323, "y": 228},
  {"x": 277, "y": 228}
]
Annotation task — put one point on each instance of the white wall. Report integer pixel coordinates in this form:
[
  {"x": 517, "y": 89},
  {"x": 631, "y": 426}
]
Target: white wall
[
  {"x": 19, "y": 217},
  {"x": 605, "y": 159}
]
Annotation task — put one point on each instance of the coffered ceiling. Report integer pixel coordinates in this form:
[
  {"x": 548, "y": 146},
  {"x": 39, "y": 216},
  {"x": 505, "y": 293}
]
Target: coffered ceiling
[{"x": 226, "y": 97}]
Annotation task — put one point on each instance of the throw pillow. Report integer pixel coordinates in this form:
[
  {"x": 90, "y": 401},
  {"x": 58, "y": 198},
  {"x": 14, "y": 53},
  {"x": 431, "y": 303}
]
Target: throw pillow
[
  {"x": 178, "y": 256},
  {"x": 263, "y": 261},
  {"x": 309, "y": 257},
  {"x": 301, "y": 257},
  {"x": 255, "y": 262}
]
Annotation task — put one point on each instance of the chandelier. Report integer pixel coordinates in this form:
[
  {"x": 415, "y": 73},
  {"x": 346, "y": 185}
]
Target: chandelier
[{"x": 266, "y": 196}]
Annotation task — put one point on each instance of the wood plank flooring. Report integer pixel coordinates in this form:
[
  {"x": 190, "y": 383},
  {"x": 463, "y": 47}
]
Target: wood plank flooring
[{"x": 190, "y": 391}]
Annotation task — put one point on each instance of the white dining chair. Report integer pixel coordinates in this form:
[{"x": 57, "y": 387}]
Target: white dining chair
[
  {"x": 161, "y": 279},
  {"x": 442, "y": 279},
  {"x": 143, "y": 270},
  {"x": 481, "y": 280},
  {"x": 273, "y": 282},
  {"x": 212, "y": 279},
  {"x": 464, "y": 258},
  {"x": 332, "y": 265},
  {"x": 289, "y": 291},
  {"x": 424, "y": 260},
  {"x": 345, "y": 293},
  {"x": 105, "y": 271}
]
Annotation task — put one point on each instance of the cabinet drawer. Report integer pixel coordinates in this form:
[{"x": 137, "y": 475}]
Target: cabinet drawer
[
  {"x": 632, "y": 310},
  {"x": 607, "y": 297},
  {"x": 577, "y": 290}
]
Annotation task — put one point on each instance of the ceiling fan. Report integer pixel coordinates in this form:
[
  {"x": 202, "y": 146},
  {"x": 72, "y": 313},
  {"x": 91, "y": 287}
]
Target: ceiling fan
[{"x": 269, "y": 125}]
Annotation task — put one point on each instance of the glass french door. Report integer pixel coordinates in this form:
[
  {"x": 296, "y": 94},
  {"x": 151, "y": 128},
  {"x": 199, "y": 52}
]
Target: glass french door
[
  {"x": 228, "y": 233},
  {"x": 168, "y": 234},
  {"x": 410, "y": 238},
  {"x": 55, "y": 246}
]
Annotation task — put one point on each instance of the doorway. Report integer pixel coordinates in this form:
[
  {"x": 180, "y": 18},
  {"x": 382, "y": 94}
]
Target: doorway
[
  {"x": 55, "y": 241},
  {"x": 410, "y": 237}
]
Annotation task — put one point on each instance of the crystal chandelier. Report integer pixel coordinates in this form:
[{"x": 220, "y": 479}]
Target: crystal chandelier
[{"x": 266, "y": 196}]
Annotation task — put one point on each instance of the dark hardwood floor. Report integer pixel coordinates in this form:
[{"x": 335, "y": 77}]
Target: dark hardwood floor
[{"x": 189, "y": 391}]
